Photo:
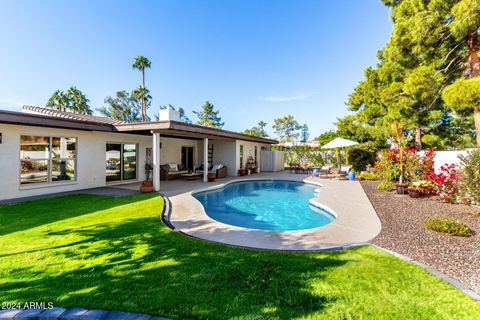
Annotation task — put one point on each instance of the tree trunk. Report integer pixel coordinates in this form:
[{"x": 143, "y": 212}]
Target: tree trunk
[
  {"x": 473, "y": 49},
  {"x": 144, "y": 108},
  {"x": 476, "y": 117},
  {"x": 418, "y": 139},
  {"x": 474, "y": 65}
]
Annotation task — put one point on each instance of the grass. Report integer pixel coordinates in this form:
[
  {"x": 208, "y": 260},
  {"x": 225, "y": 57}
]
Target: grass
[{"x": 104, "y": 253}]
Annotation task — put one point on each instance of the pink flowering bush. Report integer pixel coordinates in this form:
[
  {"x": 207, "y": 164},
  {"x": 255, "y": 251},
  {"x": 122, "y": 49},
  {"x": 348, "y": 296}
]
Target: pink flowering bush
[{"x": 446, "y": 183}]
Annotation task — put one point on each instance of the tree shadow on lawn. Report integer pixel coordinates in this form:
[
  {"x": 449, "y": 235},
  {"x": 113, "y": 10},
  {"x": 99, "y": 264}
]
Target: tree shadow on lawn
[
  {"x": 148, "y": 268},
  {"x": 31, "y": 214}
]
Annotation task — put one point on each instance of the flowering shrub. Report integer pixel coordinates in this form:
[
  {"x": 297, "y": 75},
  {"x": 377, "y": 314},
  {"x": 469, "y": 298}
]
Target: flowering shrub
[
  {"x": 392, "y": 162},
  {"x": 445, "y": 184}
]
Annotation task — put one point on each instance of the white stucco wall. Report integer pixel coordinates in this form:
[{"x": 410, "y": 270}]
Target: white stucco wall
[
  {"x": 90, "y": 168},
  {"x": 224, "y": 153},
  {"x": 90, "y": 165},
  {"x": 171, "y": 151},
  {"x": 447, "y": 157},
  {"x": 249, "y": 150}
]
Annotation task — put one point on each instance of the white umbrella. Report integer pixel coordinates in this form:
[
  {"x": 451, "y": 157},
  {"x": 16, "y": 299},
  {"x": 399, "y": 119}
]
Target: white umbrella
[{"x": 339, "y": 143}]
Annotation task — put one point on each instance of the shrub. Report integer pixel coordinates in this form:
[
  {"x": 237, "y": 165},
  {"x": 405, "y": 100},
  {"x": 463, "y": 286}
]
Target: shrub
[
  {"x": 368, "y": 176},
  {"x": 362, "y": 156},
  {"x": 445, "y": 183},
  {"x": 302, "y": 154},
  {"x": 386, "y": 186},
  {"x": 470, "y": 185},
  {"x": 448, "y": 226}
]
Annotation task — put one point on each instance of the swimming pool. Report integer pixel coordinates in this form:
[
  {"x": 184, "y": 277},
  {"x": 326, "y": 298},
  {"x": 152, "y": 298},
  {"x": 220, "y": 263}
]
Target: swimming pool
[{"x": 266, "y": 205}]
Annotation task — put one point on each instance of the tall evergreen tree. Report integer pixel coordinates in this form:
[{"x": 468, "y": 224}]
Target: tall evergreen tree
[
  {"x": 419, "y": 60},
  {"x": 208, "y": 117},
  {"x": 305, "y": 134},
  {"x": 123, "y": 106},
  {"x": 287, "y": 129}
]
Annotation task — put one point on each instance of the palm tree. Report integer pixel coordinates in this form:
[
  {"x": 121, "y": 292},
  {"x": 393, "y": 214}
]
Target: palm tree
[
  {"x": 141, "y": 63},
  {"x": 58, "y": 101},
  {"x": 78, "y": 101},
  {"x": 142, "y": 94}
]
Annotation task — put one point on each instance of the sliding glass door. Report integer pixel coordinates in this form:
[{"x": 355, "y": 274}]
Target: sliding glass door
[{"x": 120, "y": 162}]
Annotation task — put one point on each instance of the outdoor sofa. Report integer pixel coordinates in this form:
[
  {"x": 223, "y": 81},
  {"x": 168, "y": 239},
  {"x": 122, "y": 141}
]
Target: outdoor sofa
[
  {"x": 219, "y": 169},
  {"x": 172, "y": 171}
]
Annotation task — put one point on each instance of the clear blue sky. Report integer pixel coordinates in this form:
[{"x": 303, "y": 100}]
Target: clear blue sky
[{"x": 254, "y": 60}]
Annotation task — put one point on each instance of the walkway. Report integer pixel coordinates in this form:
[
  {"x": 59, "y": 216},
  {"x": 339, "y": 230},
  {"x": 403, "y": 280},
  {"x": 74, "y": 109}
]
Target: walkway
[{"x": 73, "y": 313}]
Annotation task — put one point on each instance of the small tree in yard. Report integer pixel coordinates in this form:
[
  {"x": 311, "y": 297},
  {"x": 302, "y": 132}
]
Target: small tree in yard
[{"x": 208, "y": 117}]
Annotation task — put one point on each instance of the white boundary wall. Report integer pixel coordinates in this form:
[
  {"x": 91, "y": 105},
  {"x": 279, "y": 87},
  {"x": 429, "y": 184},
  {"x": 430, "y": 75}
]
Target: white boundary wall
[{"x": 447, "y": 157}]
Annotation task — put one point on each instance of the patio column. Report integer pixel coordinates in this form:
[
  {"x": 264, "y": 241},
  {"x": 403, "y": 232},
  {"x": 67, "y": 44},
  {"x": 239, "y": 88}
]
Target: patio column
[
  {"x": 205, "y": 159},
  {"x": 156, "y": 161}
]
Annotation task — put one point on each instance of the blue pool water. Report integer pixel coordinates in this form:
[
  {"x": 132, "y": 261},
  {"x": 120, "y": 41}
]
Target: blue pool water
[{"x": 265, "y": 205}]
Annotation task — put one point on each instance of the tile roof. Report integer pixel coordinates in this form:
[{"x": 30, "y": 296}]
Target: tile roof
[{"x": 70, "y": 115}]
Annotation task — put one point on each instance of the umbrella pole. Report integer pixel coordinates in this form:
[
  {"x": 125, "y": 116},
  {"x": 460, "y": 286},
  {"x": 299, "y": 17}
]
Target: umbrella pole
[{"x": 339, "y": 164}]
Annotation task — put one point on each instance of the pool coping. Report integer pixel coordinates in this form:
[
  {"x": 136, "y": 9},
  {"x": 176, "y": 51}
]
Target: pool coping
[{"x": 354, "y": 225}]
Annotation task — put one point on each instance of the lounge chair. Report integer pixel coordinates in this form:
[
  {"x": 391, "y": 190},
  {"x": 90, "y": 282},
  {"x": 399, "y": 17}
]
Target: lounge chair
[{"x": 219, "y": 169}]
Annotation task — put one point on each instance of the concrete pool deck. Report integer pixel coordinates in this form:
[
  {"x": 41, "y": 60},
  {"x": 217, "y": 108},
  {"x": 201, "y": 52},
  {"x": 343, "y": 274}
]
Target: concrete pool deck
[{"x": 356, "y": 223}]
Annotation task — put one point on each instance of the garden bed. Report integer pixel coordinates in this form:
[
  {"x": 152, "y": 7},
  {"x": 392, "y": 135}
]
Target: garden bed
[{"x": 403, "y": 230}]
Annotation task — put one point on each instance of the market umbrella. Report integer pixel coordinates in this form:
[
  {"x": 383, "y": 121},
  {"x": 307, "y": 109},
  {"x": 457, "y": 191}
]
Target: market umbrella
[{"x": 339, "y": 143}]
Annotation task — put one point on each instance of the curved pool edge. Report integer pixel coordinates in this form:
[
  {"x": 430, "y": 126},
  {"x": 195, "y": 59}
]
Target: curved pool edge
[
  {"x": 354, "y": 225},
  {"x": 327, "y": 211}
]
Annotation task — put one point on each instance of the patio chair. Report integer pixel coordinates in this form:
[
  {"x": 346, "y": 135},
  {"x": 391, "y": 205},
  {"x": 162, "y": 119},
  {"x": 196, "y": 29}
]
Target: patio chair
[{"x": 219, "y": 169}]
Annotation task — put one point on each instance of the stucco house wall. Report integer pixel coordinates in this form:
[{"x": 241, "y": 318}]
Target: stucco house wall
[
  {"x": 90, "y": 166},
  {"x": 249, "y": 150},
  {"x": 171, "y": 151}
]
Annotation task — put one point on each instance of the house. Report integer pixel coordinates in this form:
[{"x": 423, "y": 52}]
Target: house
[{"x": 44, "y": 151}]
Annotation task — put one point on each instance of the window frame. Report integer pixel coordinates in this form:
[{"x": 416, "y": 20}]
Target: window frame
[
  {"x": 137, "y": 157},
  {"x": 49, "y": 160}
]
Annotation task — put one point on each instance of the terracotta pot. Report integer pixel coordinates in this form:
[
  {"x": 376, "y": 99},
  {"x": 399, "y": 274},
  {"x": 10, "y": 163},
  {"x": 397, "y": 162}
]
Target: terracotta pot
[
  {"x": 212, "y": 177},
  {"x": 147, "y": 186},
  {"x": 402, "y": 189},
  {"x": 242, "y": 172},
  {"x": 414, "y": 193}
]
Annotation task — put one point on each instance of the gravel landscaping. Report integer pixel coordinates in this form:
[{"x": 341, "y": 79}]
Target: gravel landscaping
[{"x": 403, "y": 231}]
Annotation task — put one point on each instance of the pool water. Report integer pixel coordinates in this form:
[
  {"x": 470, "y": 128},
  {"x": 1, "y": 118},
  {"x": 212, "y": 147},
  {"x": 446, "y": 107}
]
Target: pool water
[{"x": 265, "y": 205}]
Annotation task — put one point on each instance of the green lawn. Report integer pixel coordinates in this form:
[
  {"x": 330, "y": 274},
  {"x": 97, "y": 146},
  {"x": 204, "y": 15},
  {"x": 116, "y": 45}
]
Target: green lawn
[{"x": 99, "y": 252}]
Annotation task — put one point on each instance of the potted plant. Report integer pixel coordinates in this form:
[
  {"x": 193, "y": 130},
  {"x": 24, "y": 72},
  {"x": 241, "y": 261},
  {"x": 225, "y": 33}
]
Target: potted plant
[
  {"x": 211, "y": 176},
  {"x": 147, "y": 185},
  {"x": 414, "y": 192},
  {"x": 423, "y": 186},
  {"x": 242, "y": 171}
]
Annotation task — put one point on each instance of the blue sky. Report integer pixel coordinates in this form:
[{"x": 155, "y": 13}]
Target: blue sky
[{"x": 254, "y": 60}]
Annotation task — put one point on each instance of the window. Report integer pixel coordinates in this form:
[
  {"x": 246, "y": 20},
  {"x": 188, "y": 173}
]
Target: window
[
  {"x": 120, "y": 162},
  {"x": 47, "y": 159},
  {"x": 241, "y": 156}
]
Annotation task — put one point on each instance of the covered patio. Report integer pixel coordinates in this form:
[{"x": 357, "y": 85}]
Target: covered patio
[{"x": 207, "y": 145}]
